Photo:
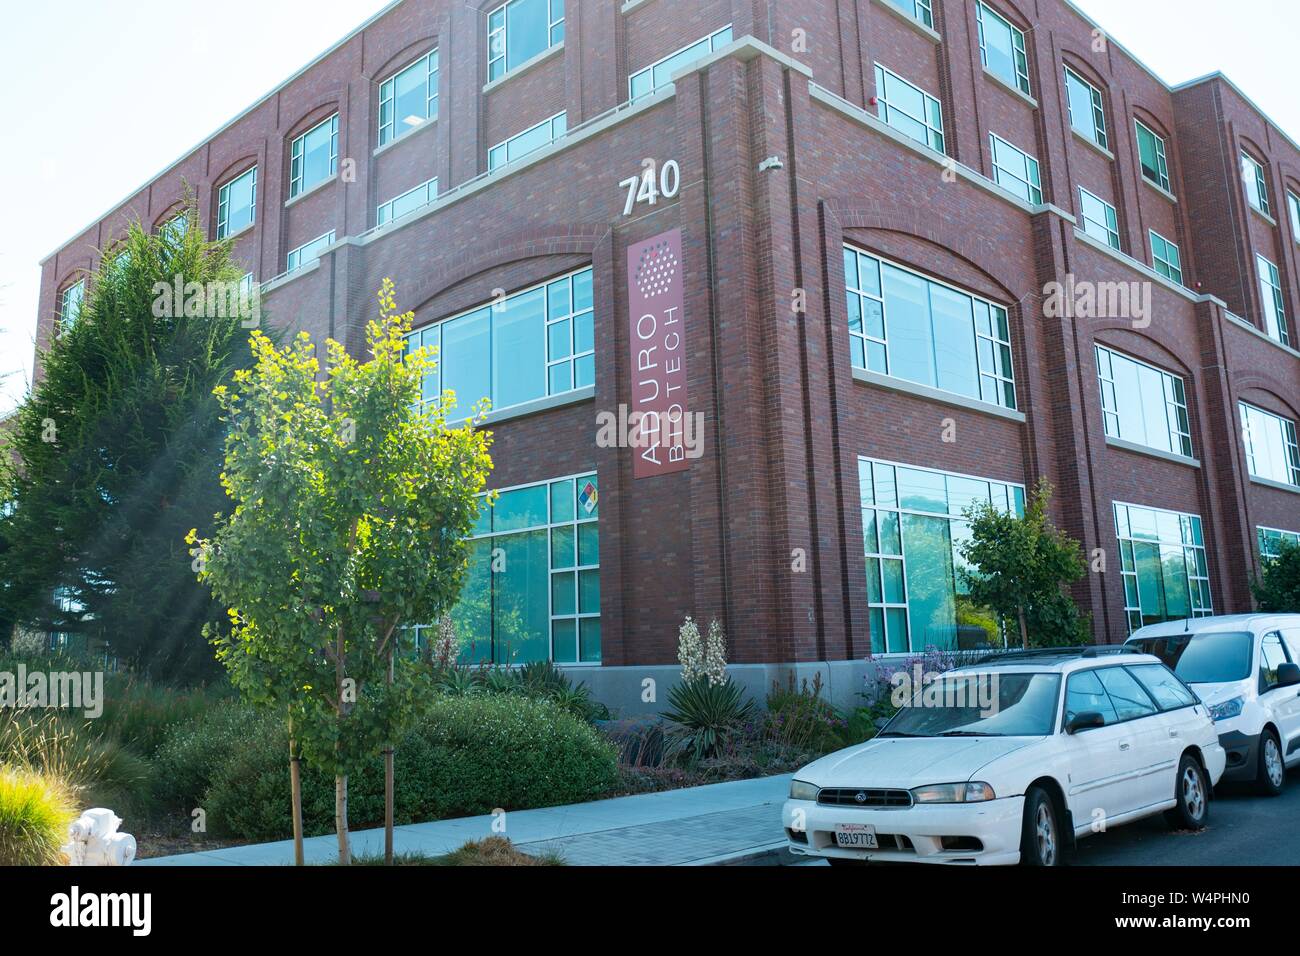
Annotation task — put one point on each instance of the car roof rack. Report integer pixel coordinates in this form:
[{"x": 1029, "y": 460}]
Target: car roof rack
[{"x": 1056, "y": 653}]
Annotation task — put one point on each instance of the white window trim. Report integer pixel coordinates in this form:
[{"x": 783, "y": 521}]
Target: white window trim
[
  {"x": 430, "y": 187},
  {"x": 223, "y": 204},
  {"x": 296, "y": 188},
  {"x": 430, "y": 104},
  {"x": 713, "y": 47},
  {"x": 1261, "y": 184},
  {"x": 1205, "y": 611},
  {"x": 978, "y": 335},
  {"x": 1171, "y": 423},
  {"x": 1290, "y": 436},
  {"x": 1020, "y": 81},
  {"x": 289, "y": 267},
  {"x": 1162, "y": 155},
  {"x": 1098, "y": 109},
  {"x": 1030, "y": 187},
  {"x": 1112, "y": 234},
  {"x": 1267, "y": 269},
  {"x": 505, "y": 143},
  {"x": 1262, "y": 531},
  {"x": 1152, "y": 234},
  {"x": 885, "y": 105},
  {"x": 506, "y": 69}
]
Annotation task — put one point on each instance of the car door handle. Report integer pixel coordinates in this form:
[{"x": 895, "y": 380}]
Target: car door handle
[
  {"x": 1173, "y": 733},
  {"x": 1123, "y": 746}
]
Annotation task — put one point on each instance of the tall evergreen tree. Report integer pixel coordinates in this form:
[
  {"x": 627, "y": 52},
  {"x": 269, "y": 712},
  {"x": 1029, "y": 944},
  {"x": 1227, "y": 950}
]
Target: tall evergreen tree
[{"x": 116, "y": 454}]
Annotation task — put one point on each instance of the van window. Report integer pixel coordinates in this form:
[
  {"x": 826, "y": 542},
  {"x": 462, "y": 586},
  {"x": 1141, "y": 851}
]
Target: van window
[
  {"x": 1292, "y": 637},
  {"x": 1272, "y": 655},
  {"x": 1211, "y": 657}
]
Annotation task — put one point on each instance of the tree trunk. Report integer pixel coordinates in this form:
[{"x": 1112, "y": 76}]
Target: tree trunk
[
  {"x": 341, "y": 818},
  {"x": 388, "y": 782},
  {"x": 1024, "y": 628},
  {"x": 295, "y": 791}
]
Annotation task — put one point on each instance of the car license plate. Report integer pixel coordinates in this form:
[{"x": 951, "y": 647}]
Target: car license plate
[{"x": 856, "y": 836}]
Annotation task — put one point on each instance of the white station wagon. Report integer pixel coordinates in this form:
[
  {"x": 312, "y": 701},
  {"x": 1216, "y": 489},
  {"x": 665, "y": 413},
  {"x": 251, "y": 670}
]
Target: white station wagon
[{"x": 1010, "y": 761}]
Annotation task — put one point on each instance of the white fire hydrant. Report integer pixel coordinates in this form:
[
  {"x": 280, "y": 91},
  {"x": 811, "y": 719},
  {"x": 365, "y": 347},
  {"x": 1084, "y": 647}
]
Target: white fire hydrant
[{"x": 93, "y": 840}]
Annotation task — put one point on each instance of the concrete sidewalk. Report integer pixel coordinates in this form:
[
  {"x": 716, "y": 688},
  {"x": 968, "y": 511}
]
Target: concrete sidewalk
[{"x": 719, "y": 824}]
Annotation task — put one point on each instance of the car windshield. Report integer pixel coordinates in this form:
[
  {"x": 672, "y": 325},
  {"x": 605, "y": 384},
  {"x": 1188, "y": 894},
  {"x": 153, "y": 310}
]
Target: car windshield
[
  {"x": 1208, "y": 657},
  {"x": 991, "y": 704}
]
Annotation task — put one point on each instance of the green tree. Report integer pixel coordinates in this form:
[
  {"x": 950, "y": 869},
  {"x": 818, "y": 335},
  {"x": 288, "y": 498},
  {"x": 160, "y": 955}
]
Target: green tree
[
  {"x": 117, "y": 451},
  {"x": 1278, "y": 590},
  {"x": 1021, "y": 566},
  {"x": 352, "y": 506}
]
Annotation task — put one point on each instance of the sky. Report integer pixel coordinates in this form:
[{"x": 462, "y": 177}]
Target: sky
[{"x": 92, "y": 105}]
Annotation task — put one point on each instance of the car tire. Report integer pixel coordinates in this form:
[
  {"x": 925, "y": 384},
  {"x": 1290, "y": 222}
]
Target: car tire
[
  {"x": 1192, "y": 791},
  {"x": 1041, "y": 840},
  {"x": 1270, "y": 773}
]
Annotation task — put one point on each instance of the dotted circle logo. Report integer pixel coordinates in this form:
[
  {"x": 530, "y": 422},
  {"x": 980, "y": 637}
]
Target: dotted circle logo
[{"x": 657, "y": 270}]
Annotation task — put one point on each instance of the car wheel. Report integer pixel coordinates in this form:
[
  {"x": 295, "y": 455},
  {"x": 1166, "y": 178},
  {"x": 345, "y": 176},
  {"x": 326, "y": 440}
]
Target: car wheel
[
  {"x": 1271, "y": 774},
  {"x": 1192, "y": 792},
  {"x": 1041, "y": 843}
]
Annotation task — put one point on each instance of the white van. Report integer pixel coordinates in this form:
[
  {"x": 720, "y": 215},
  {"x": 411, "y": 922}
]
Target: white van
[{"x": 1246, "y": 669}]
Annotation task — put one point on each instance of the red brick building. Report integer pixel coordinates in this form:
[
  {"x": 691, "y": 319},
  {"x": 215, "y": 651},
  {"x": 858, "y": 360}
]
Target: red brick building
[{"x": 931, "y": 250}]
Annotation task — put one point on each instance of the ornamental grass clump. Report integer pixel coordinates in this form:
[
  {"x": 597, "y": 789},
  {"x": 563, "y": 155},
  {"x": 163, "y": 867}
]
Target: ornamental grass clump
[{"x": 35, "y": 812}]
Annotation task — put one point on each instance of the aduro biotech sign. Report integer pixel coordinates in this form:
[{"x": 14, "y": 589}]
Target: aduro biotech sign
[{"x": 657, "y": 421}]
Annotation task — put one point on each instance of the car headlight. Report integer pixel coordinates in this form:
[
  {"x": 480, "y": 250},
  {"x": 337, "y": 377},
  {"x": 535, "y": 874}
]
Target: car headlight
[
  {"x": 1228, "y": 709},
  {"x": 974, "y": 792},
  {"x": 802, "y": 791}
]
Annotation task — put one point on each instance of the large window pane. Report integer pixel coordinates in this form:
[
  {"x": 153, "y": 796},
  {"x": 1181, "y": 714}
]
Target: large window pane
[
  {"x": 911, "y": 338},
  {"x": 518, "y": 338},
  {"x": 466, "y": 358}
]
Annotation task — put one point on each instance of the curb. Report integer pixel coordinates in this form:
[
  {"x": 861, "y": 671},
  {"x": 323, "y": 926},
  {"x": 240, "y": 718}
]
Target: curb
[{"x": 767, "y": 854}]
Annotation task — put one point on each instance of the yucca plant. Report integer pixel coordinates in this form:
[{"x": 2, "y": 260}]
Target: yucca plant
[
  {"x": 35, "y": 811},
  {"x": 703, "y": 714}
]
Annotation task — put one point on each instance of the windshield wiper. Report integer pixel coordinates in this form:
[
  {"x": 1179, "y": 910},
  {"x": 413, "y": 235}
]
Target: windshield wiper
[
  {"x": 968, "y": 733},
  {"x": 899, "y": 733}
]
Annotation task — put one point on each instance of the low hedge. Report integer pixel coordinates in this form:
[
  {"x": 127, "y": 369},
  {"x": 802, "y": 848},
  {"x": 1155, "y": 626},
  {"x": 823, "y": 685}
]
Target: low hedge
[{"x": 470, "y": 755}]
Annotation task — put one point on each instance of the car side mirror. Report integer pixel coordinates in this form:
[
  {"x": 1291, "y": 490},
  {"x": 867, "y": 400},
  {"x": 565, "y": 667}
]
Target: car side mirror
[
  {"x": 1288, "y": 675},
  {"x": 1087, "y": 720}
]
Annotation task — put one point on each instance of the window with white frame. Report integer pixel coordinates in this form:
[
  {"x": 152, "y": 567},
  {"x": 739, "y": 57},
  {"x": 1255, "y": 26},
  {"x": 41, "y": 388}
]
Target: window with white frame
[
  {"x": 1272, "y": 540},
  {"x": 660, "y": 73},
  {"x": 909, "y": 109},
  {"x": 1293, "y": 206},
  {"x": 1143, "y": 404},
  {"x": 529, "y": 141},
  {"x": 314, "y": 156},
  {"x": 1271, "y": 449},
  {"x": 1002, "y": 47},
  {"x": 1151, "y": 155},
  {"x": 537, "y": 342},
  {"x": 237, "y": 204},
  {"x": 1165, "y": 258},
  {"x": 913, "y": 528},
  {"x": 1087, "y": 115},
  {"x": 246, "y": 285},
  {"x": 532, "y": 586},
  {"x": 1015, "y": 170},
  {"x": 1162, "y": 562},
  {"x": 916, "y": 9},
  {"x": 309, "y": 252},
  {"x": 70, "y": 301},
  {"x": 175, "y": 227},
  {"x": 520, "y": 30},
  {"x": 910, "y": 327},
  {"x": 1270, "y": 292},
  {"x": 409, "y": 98},
  {"x": 1252, "y": 175},
  {"x": 407, "y": 202},
  {"x": 1099, "y": 219}
]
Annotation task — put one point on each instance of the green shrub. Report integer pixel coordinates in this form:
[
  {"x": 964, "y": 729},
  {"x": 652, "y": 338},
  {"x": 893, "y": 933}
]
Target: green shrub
[
  {"x": 798, "y": 717},
  {"x": 140, "y": 713},
  {"x": 35, "y": 811},
  {"x": 470, "y": 755},
  {"x": 193, "y": 751}
]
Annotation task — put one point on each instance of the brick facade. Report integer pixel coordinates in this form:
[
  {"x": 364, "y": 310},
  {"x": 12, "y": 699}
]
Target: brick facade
[{"x": 786, "y": 416}]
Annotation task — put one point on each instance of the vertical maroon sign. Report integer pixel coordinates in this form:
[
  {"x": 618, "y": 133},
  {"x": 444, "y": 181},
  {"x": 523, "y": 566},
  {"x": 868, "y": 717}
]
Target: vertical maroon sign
[{"x": 656, "y": 323}]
